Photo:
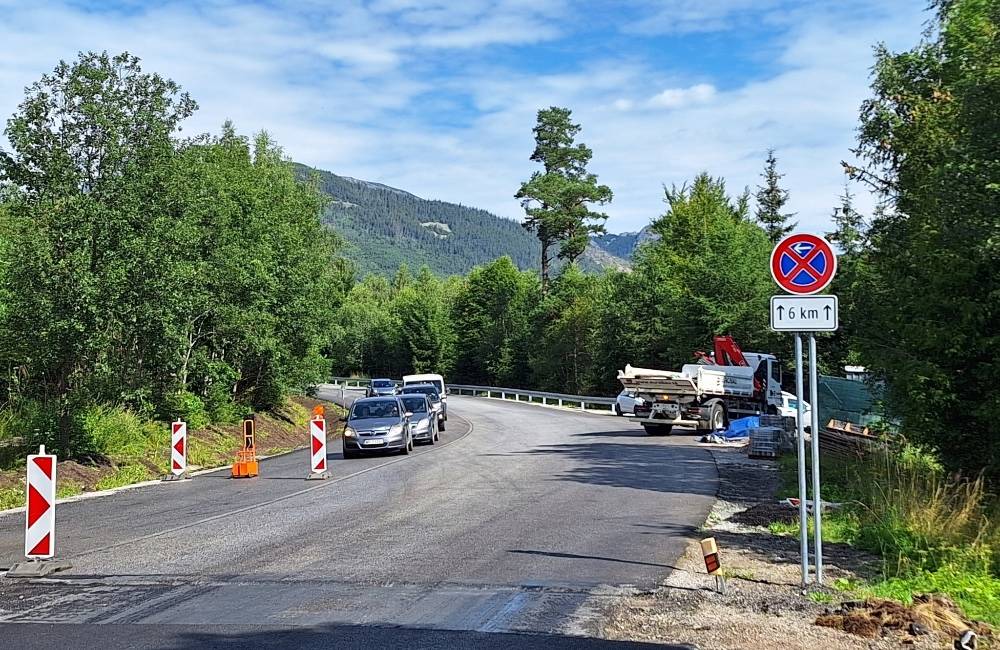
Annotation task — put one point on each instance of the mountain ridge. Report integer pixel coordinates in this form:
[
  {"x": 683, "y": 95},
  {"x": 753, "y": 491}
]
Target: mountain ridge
[{"x": 384, "y": 227}]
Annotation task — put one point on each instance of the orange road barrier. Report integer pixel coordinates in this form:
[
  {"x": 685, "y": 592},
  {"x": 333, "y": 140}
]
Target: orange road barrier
[{"x": 246, "y": 464}]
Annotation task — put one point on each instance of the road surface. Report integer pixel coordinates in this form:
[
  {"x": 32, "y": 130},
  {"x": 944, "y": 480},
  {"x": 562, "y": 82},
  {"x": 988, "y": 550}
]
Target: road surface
[{"x": 522, "y": 520}]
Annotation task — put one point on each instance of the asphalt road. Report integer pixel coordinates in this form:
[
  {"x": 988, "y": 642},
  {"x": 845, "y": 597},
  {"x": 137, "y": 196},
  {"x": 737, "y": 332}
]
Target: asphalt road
[{"x": 523, "y": 519}]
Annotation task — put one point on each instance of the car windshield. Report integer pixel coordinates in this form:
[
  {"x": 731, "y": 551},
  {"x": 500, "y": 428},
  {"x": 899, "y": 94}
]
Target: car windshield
[
  {"x": 429, "y": 391},
  {"x": 381, "y": 383},
  {"x": 380, "y": 409},
  {"x": 415, "y": 404}
]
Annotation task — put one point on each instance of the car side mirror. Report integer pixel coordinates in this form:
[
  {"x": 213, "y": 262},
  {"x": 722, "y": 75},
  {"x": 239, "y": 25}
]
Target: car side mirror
[{"x": 408, "y": 414}]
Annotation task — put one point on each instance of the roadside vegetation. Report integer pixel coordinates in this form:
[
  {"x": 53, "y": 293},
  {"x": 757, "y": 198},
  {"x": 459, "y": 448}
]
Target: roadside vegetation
[
  {"x": 935, "y": 531},
  {"x": 145, "y": 277}
]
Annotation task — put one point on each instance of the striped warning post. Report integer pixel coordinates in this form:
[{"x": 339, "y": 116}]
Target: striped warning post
[
  {"x": 317, "y": 444},
  {"x": 40, "y": 515},
  {"x": 178, "y": 448}
]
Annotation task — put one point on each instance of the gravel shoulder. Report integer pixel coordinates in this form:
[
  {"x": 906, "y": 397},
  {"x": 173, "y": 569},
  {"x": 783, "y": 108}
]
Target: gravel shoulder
[{"x": 763, "y": 607}]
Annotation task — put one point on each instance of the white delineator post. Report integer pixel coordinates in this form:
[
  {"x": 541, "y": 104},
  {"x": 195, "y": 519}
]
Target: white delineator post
[
  {"x": 40, "y": 515},
  {"x": 317, "y": 443},
  {"x": 178, "y": 448}
]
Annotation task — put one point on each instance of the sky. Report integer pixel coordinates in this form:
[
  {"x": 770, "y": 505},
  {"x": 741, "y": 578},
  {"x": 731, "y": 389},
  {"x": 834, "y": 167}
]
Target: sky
[{"x": 439, "y": 97}]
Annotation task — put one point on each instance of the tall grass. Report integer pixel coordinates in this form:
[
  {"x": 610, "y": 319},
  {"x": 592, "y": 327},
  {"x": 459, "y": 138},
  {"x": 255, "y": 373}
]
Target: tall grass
[
  {"x": 935, "y": 531},
  {"x": 914, "y": 514}
]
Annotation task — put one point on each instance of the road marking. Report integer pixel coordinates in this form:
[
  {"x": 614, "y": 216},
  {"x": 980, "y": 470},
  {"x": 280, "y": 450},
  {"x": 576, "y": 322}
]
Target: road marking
[{"x": 264, "y": 504}]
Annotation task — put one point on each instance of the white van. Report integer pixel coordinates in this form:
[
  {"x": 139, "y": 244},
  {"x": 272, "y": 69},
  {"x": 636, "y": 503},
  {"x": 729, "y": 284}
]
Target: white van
[{"x": 436, "y": 380}]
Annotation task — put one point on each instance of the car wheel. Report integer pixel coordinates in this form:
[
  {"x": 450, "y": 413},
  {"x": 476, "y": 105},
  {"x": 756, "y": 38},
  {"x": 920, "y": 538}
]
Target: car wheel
[
  {"x": 407, "y": 447},
  {"x": 618, "y": 410},
  {"x": 350, "y": 454}
]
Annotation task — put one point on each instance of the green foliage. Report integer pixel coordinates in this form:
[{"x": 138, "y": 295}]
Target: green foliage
[
  {"x": 770, "y": 201},
  {"x": 167, "y": 277},
  {"x": 928, "y": 139},
  {"x": 706, "y": 275},
  {"x": 978, "y": 594},
  {"x": 114, "y": 432},
  {"x": 934, "y": 532},
  {"x": 185, "y": 405},
  {"x": 557, "y": 199},
  {"x": 124, "y": 475}
]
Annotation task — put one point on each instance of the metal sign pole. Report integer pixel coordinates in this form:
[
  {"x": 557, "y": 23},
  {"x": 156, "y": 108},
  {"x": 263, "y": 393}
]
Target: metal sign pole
[
  {"x": 800, "y": 425},
  {"x": 817, "y": 514}
]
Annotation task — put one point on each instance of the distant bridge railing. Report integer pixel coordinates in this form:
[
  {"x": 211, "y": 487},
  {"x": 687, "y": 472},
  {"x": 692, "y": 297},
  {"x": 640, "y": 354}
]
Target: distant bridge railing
[{"x": 583, "y": 402}]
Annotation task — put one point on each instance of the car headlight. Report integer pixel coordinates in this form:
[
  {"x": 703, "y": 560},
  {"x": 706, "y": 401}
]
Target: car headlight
[
  {"x": 423, "y": 424},
  {"x": 350, "y": 433},
  {"x": 396, "y": 430}
]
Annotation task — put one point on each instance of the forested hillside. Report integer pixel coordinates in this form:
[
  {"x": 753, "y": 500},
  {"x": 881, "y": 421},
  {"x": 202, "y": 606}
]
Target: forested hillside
[{"x": 384, "y": 227}]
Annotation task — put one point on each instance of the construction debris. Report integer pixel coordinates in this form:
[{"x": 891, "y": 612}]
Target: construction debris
[{"x": 929, "y": 613}]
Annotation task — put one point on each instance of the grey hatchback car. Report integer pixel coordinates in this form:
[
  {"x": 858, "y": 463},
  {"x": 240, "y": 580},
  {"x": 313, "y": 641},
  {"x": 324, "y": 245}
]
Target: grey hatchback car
[
  {"x": 431, "y": 391},
  {"x": 377, "y": 424},
  {"x": 424, "y": 424}
]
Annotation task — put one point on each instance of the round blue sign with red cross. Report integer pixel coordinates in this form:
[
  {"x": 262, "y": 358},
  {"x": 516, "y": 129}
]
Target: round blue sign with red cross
[{"x": 803, "y": 264}]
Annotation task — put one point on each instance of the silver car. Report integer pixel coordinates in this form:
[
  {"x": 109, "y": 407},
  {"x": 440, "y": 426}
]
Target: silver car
[
  {"x": 423, "y": 424},
  {"x": 431, "y": 391},
  {"x": 381, "y": 388},
  {"x": 377, "y": 424}
]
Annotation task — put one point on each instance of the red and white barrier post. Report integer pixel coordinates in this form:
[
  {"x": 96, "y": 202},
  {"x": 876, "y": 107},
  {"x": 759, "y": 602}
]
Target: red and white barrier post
[
  {"x": 39, "y": 518},
  {"x": 178, "y": 451},
  {"x": 317, "y": 444}
]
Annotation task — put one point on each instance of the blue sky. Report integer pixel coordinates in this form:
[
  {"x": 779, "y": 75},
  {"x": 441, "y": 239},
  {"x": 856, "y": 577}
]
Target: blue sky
[{"x": 439, "y": 97}]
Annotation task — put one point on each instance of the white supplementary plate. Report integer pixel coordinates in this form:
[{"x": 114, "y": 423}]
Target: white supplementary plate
[{"x": 804, "y": 313}]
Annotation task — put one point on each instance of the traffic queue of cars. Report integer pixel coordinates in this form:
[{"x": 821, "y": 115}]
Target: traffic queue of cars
[{"x": 394, "y": 416}]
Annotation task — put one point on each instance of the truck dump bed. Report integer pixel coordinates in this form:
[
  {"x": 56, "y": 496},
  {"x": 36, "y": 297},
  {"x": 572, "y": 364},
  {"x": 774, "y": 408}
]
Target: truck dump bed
[
  {"x": 693, "y": 380},
  {"x": 645, "y": 381}
]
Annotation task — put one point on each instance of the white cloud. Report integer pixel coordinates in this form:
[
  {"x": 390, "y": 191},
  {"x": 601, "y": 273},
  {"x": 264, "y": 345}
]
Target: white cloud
[
  {"x": 412, "y": 94},
  {"x": 678, "y": 97}
]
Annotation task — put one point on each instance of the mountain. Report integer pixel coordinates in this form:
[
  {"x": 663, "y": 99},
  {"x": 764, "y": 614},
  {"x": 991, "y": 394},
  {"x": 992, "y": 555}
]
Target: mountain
[
  {"x": 384, "y": 227},
  {"x": 623, "y": 245}
]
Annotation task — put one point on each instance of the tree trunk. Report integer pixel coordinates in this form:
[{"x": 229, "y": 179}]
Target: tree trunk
[{"x": 545, "y": 267}]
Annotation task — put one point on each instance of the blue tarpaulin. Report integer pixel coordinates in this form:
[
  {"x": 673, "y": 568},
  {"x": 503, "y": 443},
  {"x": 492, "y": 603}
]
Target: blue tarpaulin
[{"x": 741, "y": 428}]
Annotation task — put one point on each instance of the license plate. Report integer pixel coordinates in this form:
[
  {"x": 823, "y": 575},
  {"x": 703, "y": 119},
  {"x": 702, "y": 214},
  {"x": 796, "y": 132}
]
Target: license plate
[{"x": 373, "y": 443}]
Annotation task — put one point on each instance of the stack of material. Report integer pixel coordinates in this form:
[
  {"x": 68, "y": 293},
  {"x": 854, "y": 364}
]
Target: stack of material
[
  {"x": 787, "y": 426},
  {"x": 846, "y": 439},
  {"x": 765, "y": 442}
]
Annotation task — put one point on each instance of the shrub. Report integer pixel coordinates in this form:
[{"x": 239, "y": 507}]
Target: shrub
[
  {"x": 187, "y": 406},
  {"x": 114, "y": 432}
]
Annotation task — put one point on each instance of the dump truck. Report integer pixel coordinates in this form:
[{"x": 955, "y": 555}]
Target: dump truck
[{"x": 707, "y": 394}]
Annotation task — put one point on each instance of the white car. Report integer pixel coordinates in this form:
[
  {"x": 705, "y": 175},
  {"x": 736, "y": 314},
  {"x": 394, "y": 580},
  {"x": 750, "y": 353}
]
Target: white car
[
  {"x": 627, "y": 401},
  {"x": 790, "y": 408}
]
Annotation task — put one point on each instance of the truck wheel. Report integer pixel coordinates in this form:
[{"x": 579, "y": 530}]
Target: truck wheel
[{"x": 717, "y": 418}]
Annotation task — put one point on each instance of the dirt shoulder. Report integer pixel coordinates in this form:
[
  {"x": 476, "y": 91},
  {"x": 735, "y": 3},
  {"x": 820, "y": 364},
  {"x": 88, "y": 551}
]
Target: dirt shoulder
[{"x": 763, "y": 607}]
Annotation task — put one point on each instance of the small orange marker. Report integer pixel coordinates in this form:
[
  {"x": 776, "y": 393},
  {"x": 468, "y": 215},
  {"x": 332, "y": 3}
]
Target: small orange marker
[{"x": 246, "y": 464}]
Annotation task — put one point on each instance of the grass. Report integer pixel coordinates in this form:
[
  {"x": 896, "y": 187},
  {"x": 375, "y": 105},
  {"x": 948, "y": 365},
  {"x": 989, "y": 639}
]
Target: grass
[
  {"x": 137, "y": 448},
  {"x": 821, "y": 597},
  {"x": 935, "y": 532}
]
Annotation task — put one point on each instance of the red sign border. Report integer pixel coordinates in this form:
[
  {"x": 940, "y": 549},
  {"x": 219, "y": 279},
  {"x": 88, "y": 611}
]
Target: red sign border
[{"x": 824, "y": 280}]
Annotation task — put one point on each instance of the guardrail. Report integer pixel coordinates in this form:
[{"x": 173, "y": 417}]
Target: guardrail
[
  {"x": 535, "y": 396},
  {"x": 519, "y": 395}
]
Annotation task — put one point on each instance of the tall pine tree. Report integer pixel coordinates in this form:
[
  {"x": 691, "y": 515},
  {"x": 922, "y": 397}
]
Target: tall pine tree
[
  {"x": 771, "y": 198},
  {"x": 557, "y": 200}
]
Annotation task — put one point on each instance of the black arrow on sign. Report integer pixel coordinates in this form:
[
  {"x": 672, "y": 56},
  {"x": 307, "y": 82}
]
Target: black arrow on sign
[
  {"x": 781, "y": 312},
  {"x": 828, "y": 308}
]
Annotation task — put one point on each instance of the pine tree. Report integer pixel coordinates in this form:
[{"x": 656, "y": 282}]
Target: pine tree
[
  {"x": 557, "y": 200},
  {"x": 850, "y": 225},
  {"x": 771, "y": 198}
]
